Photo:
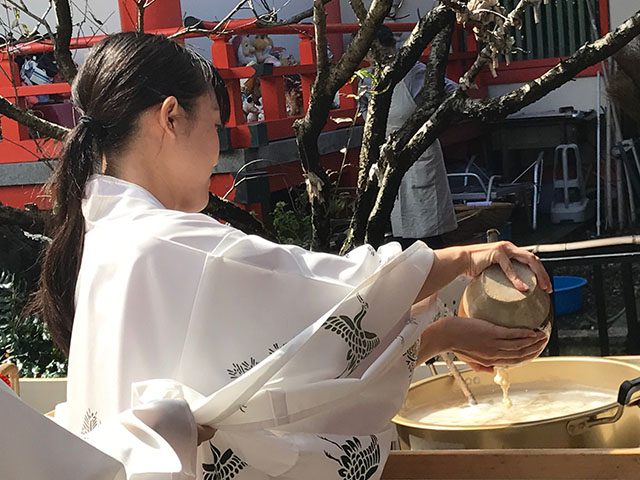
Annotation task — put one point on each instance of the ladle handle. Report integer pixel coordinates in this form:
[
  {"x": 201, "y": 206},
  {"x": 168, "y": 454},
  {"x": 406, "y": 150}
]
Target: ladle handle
[{"x": 627, "y": 389}]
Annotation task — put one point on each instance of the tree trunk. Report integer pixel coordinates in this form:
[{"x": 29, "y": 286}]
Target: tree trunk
[
  {"x": 373, "y": 137},
  {"x": 28, "y": 119},
  {"x": 429, "y": 27},
  {"x": 236, "y": 217},
  {"x": 319, "y": 186}
]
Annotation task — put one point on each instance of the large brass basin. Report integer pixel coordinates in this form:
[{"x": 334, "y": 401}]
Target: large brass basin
[{"x": 616, "y": 425}]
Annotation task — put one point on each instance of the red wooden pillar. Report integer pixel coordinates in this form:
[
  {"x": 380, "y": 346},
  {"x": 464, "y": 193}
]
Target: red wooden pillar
[
  {"x": 12, "y": 131},
  {"x": 603, "y": 7},
  {"x": 273, "y": 97},
  {"x": 160, "y": 14},
  {"x": 307, "y": 50},
  {"x": 224, "y": 57},
  {"x": 335, "y": 39}
]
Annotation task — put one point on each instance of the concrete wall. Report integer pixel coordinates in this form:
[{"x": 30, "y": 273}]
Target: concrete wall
[
  {"x": 580, "y": 94},
  {"x": 620, "y": 10}
]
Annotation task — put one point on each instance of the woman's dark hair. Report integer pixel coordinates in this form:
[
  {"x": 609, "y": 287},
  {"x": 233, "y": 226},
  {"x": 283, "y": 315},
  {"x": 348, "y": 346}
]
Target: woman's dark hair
[
  {"x": 385, "y": 36},
  {"x": 123, "y": 75}
]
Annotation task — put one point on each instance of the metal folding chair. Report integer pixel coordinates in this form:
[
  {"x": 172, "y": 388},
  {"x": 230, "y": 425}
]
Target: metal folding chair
[{"x": 479, "y": 187}]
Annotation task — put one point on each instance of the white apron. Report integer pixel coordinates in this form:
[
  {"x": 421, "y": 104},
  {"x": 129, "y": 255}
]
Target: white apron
[
  {"x": 299, "y": 359},
  {"x": 423, "y": 207}
]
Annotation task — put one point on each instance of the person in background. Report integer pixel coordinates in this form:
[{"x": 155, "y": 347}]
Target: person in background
[{"x": 423, "y": 209}]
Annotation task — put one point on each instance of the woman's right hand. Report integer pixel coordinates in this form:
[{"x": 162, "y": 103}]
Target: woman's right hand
[{"x": 483, "y": 345}]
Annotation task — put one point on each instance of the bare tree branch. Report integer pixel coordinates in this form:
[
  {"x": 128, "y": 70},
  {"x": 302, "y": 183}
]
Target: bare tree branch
[
  {"x": 268, "y": 19},
  {"x": 497, "y": 38},
  {"x": 20, "y": 5},
  {"x": 397, "y": 163},
  {"x": 219, "y": 26},
  {"x": 434, "y": 81},
  {"x": 140, "y": 7},
  {"x": 293, "y": 19},
  {"x": 360, "y": 44},
  {"x": 320, "y": 21},
  {"x": 587, "y": 55},
  {"x": 328, "y": 81},
  {"x": 359, "y": 9},
  {"x": 34, "y": 222},
  {"x": 62, "y": 40},
  {"x": 43, "y": 127}
]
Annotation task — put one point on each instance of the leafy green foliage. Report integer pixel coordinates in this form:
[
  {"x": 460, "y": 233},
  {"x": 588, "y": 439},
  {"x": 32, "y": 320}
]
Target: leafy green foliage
[
  {"x": 25, "y": 340},
  {"x": 292, "y": 226},
  {"x": 292, "y": 221}
]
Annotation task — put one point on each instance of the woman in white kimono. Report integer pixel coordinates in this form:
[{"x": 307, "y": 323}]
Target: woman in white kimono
[{"x": 296, "y": 361}]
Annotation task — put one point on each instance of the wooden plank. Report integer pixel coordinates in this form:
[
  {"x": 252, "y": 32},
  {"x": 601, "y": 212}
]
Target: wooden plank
[
  {"x": 273, "y": 98},
  {"x": 526, "y": 464},
  {"x": 562, "y": 43},
  {"x": 583, "y": 28},
  {"x": 551, "y": 28},
  {"x": 539, "y": 36},
  {"x": 603, "y": 6},
  {"x": 571, "y": 19},
  {"x": 528, "y": 28}
]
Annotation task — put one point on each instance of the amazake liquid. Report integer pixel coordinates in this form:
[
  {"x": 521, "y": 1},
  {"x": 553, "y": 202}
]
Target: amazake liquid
[{"x": 526, "y": 406}]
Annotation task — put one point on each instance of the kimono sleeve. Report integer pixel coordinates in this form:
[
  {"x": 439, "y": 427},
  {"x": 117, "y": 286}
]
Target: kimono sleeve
[{"x": 254, "y": 296}]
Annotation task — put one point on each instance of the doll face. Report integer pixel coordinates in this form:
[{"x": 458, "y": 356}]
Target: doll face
[
  {"x": 262, "y": 41},
  {"x": 247, "y": 47}
]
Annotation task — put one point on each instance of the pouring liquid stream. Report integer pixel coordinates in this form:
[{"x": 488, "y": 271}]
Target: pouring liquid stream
[{"x": 502, "y": 379}]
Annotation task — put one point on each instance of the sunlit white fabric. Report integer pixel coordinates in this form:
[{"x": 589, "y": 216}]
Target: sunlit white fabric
[{"x": 299, "y": 359}]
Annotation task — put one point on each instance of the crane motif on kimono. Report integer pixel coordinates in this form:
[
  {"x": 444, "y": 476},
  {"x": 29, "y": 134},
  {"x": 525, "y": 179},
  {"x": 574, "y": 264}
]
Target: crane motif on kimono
[
  {"x": 359, "y": 341},
  {"x": 225, "y": 465},
  {"x": 356, "y": 462}
]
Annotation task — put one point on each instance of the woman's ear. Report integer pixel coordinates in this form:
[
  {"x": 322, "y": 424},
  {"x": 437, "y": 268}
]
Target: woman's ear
[{"x": 170, "y": 113}]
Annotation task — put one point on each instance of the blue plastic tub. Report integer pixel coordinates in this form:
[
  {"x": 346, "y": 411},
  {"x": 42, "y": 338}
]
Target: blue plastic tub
[{"x": 567, "y": 297}]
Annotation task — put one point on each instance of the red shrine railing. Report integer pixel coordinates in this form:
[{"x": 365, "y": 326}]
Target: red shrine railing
[{"x": 20, "y": 148}]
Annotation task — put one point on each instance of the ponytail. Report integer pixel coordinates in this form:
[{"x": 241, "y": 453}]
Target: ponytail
[{"x": 55, "y": 298}]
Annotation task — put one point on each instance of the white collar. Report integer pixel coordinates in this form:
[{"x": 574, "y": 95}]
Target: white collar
[{"x": 110, "y": 197}]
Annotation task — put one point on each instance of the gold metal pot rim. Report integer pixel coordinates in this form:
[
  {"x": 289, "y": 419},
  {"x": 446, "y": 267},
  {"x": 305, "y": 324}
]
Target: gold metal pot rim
[{"x": 400, "y": 420}]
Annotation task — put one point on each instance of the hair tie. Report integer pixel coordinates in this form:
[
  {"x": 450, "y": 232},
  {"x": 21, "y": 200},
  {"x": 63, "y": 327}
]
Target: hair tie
[{"x": 86, "y": 120}]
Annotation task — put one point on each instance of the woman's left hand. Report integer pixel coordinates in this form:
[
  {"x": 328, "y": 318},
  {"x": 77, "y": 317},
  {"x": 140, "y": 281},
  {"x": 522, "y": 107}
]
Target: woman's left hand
[
  {"x": 482, "y": 256},
  {"x": 205, "y": 433}
]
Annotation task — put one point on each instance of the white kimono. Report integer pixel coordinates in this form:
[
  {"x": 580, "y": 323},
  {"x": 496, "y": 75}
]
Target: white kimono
[
  {"x": 299, "y": 359},
  {"x": 35, "y": 448}
]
